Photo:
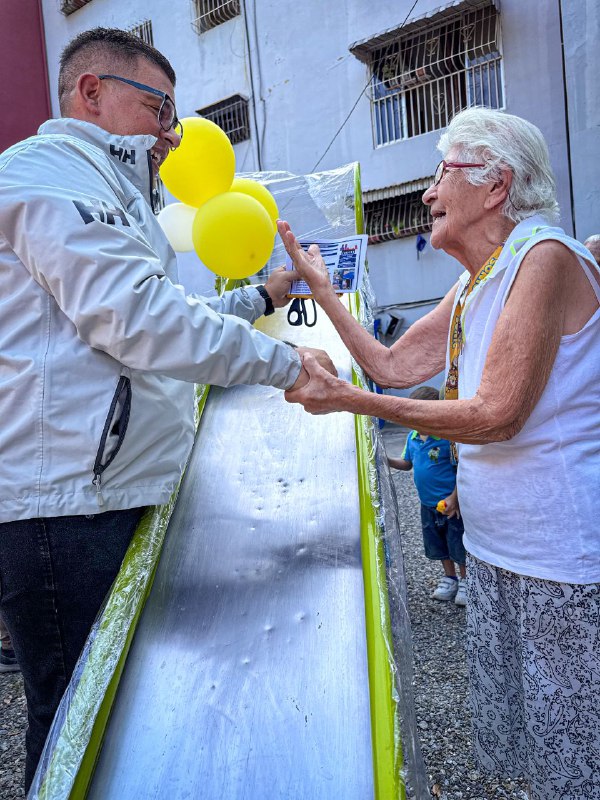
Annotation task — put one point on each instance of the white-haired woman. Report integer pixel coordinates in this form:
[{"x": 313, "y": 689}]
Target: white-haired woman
[{"x": 519, "y": 337}]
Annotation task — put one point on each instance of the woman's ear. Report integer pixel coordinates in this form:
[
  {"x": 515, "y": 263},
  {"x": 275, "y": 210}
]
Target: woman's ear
[{"x": 499, "y": 190}]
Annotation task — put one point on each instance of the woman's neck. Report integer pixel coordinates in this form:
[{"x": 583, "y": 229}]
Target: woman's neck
[{"x": 480, "y": 244}]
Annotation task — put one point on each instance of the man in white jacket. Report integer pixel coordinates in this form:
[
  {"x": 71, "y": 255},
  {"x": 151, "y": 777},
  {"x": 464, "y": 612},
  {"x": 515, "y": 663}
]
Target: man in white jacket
[{"x": 99, "y": 352}]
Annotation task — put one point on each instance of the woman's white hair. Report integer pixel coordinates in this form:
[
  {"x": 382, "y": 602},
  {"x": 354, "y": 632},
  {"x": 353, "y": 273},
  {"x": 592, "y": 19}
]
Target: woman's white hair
[{"x": 504, "y": 141}]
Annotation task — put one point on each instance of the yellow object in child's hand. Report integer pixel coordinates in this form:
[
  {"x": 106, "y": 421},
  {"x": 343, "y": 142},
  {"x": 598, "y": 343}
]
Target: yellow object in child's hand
[{"x": 441, "y": 506}]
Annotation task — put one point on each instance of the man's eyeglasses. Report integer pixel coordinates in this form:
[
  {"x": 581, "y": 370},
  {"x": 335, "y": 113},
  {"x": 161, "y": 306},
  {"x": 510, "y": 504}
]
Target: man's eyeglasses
[
  {"x": 444, "y": 165},
  {"x": 167, "y": 115}
]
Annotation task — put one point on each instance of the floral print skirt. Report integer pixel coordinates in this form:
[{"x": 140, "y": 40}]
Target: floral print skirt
[{"x": 534, "y": 667}]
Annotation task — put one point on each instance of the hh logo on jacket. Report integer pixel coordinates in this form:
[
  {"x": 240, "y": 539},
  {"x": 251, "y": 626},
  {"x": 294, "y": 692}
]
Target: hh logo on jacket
[
  {"x": 123, "y": 154},
  {"x": 100, "y": 211}
]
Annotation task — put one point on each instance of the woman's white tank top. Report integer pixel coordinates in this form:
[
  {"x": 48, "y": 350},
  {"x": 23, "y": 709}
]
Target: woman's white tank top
[{"x": 532, "y": 504}]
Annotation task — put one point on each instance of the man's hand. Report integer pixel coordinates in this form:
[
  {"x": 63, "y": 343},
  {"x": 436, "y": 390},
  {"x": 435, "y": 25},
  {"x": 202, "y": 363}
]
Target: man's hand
[
  {"x": 309, "y": 264},
  {"x": 278, "y": 285},
  {"x": 317, "y": 389},
  {"x": 320, "y": 357}
]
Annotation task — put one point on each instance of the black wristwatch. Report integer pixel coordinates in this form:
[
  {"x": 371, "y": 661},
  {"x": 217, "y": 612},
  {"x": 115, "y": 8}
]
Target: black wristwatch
[{"x": 269, "y": 307}]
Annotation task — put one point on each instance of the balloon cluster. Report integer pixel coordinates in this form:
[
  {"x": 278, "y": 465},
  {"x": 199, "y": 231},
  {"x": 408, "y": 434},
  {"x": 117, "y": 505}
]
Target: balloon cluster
[{"x": 230, "y": 222}]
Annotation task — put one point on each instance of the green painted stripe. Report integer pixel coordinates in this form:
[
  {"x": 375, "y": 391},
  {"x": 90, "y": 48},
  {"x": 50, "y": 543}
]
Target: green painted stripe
[{"x": 385, "y": 727}]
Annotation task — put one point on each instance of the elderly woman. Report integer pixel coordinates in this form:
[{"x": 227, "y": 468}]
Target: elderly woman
[{"x": 519, "y": 337}]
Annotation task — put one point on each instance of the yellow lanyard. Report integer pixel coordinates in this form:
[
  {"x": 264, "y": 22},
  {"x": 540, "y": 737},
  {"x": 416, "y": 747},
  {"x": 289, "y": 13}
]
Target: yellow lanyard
[{"x": 456, "y": 338}]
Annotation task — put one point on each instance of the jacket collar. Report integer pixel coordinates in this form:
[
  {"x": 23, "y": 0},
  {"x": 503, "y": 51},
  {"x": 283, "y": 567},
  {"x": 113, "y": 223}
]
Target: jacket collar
[{"x": 129, "y": 154}]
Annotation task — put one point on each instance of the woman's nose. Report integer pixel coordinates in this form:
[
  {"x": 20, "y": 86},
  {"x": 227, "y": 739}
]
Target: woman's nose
[{"x": 429, "y": 195}]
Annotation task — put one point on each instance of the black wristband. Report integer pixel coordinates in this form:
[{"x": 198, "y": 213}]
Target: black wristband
[{"x": 269, "y": 307}]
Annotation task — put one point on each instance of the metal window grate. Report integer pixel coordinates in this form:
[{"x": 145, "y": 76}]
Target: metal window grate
[
  {"x": 420, "y": 80},
  {"x": 158, "y": 196},
  {"x": 69, "y": 6},
  {"x": 210, "y": 13},
  {"x": 397, "y": 212},
  {"x": 144, "y": 31},
  {"x": 231, "y": 115}
]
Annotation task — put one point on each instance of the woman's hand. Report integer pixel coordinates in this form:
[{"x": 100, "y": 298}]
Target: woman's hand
[{"x": 308, "y": 263}]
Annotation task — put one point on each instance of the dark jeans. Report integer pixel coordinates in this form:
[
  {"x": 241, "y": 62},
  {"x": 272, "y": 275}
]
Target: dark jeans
[
  {"x": 442, "y": 536},
  {"x": 54, "y": 576}
]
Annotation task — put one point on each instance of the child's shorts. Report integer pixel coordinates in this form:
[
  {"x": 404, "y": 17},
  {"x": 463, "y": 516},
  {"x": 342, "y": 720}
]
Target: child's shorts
[{"x": 442, "y": 536}]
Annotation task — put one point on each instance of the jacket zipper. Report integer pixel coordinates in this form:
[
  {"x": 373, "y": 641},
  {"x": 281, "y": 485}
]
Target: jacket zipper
[
  {"x": 151, "y": 176},
  {"x": 122, "y": 392}
]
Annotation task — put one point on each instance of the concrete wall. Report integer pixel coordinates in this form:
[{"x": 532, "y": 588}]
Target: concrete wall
[
  {"x": 581, "y": 32},
  {"x": 305, "y": 81}
]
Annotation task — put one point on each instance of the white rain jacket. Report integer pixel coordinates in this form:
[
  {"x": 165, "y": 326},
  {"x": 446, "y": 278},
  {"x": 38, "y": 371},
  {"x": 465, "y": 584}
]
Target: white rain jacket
[{"x": 99, "y": 348}]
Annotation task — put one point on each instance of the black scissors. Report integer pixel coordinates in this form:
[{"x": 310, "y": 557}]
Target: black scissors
[{"x": 297, "y": 313}]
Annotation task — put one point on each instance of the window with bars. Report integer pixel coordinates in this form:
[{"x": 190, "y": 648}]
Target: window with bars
[
  {"x": 231, "y": 115},
  {"x": 397, "y": 211},
  {"x": 144, "y": 31},
  {"x": 69, "y": 6},
  {"x": 421, "y": 79},
  {"x": 158, "y": 196},
  {"x": 208, "y": 14}
]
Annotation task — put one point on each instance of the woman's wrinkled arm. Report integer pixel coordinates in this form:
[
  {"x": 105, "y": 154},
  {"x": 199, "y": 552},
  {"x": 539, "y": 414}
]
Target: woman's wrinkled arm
[
  {"x": 518, "y": 364},
  {"x": 415, "y": 357}
]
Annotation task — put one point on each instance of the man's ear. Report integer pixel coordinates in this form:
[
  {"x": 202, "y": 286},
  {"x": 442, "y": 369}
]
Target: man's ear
[
  {"x": 499, "y": 190},
  {"x": 88, "y": 91}
]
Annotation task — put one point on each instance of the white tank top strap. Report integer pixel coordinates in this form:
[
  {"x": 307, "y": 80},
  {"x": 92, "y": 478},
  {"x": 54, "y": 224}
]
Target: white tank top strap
[{"x": 589, "y": 271}]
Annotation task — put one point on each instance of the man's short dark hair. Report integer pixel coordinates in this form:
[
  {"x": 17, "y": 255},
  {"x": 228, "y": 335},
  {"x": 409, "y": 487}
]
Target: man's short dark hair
[
  {"x": 104, "y": 49},
  {"x": 425, "y": 393}
]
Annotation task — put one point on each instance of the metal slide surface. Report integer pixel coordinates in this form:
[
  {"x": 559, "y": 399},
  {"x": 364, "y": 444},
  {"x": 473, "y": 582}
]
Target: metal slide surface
[{"x": 247, "y": 678}]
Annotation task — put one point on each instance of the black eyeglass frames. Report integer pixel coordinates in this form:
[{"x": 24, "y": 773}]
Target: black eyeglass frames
[{"x": 167, "y": 115}]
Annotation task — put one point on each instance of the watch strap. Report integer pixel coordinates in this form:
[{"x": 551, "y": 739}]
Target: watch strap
[{"x": 269, "y": 307}]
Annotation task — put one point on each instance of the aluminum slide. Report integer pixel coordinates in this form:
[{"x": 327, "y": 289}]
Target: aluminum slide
[{"x": 247, "y": 677}]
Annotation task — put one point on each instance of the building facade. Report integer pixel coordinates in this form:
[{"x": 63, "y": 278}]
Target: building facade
[{"x": 309, "y": 86}]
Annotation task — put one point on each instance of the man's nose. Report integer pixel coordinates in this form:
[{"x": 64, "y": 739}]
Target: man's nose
[{"x": 172, "y": 137}]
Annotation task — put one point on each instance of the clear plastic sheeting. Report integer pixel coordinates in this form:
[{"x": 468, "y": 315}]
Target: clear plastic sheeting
[
  {"x": 273, "y": 657},
  {"x": 81, "y": 716}
]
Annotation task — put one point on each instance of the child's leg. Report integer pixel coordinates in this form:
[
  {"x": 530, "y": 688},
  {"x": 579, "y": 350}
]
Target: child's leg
[
  {"x": 449, "y": 568},
  {"x": 436, "y": 549},
  {"x": 454, "y": 538}
]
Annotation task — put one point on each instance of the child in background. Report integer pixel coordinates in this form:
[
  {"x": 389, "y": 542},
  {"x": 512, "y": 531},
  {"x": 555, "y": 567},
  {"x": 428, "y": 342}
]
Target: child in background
[{"x": 435, "y": 479}]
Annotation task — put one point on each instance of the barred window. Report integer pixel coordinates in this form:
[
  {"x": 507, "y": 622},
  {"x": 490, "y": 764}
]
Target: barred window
[
  {"x": 208, "y": 14},
  {"x": 421, "y": 78},
  {"x": 231, "y": 115},
  {"x": 397, "y": 211},
  {"x": 158, "y": 196},
  {"x": 144, "y": 31},
  {"x": 69, "y": 6}
]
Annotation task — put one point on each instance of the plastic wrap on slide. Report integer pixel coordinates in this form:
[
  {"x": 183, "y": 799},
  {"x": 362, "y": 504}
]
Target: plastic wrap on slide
[{"x": 323, "y": 205}]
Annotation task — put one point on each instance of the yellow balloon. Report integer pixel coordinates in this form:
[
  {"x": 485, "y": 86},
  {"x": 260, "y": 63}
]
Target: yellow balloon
[
  {"x": 260, "y": 193},
  {"x": 233, "y": 235},
  {"x": 202, "y": 166}
]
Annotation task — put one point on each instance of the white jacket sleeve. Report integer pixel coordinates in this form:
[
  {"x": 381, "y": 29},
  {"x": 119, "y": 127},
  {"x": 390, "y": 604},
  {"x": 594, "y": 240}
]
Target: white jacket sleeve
[
  {"x": 108, "y": 280},
  {"x": 244, "y": 302}
]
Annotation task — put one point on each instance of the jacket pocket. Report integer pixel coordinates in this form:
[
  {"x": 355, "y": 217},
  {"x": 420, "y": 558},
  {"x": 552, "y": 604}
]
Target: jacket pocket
[{"x": 113, "y": 434}]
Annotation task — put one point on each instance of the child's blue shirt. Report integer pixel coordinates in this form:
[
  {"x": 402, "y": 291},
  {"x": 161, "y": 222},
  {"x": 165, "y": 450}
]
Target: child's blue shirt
[{"x": 434, "y": 473}]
